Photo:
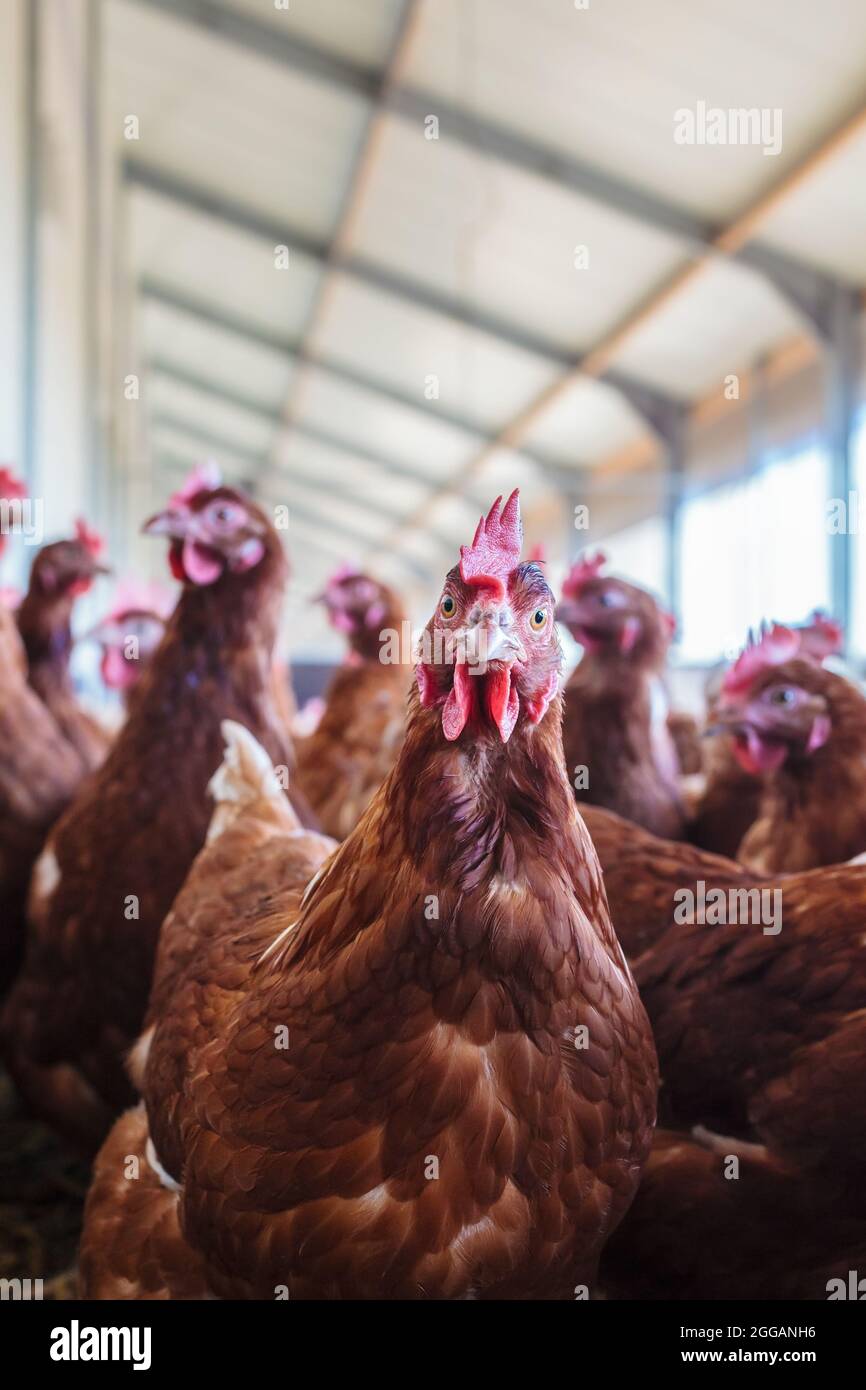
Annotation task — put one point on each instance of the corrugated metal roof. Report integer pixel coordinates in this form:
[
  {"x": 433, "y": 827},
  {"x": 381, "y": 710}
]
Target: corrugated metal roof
[
  {"x": 728, "y": 317},
  {"x": 451, "y": 321},
  {"x": 604, "y": 82},
  {"x": 360, "y": 29}
]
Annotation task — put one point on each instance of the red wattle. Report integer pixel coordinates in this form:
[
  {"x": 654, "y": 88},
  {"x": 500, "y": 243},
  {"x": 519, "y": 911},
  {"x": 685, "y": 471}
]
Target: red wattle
[
  {"x": 458, "y": 706},
  {"x": 537, "y": 706},
  {"x": 503, "y": 701},
  {"x": 117, "y": 672},
  {"x": 175, "y": 562},
  {"x": 629, "y": 635},
  {"x": 200, "y": 563},
  {"x": 757, "y": 755}
]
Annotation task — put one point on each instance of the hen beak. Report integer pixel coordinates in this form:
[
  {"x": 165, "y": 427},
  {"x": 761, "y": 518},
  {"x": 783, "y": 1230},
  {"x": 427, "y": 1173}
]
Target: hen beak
[
  {"x": 108, "y": 632},
  {"x": 726, "y": 721},
  {"x": 487, "y": 641},
  {"x": 490, "y": 634},
  {"x": 171, "y": 523}
]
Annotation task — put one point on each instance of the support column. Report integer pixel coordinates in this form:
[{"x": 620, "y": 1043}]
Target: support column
[
  {"x": 674, "y": 438},
  {"x": 842, "y": 354}
]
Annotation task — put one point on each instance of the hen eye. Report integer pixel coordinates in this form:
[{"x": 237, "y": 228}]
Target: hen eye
[
  {"x": 605, "y": 600},
  {"x": 783, "y": 696},
  {"x": 538, "y": 619},
  {"x": 447, "y": 607},
  {"x": 224, "y": 514}
]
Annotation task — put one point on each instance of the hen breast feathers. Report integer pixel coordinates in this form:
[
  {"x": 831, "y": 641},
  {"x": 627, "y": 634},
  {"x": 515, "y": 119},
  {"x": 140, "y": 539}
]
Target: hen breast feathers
[{"x": 431, "y": 1128}]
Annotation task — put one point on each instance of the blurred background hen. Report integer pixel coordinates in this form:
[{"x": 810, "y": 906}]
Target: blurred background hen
[{"x": 591, "y": 830}]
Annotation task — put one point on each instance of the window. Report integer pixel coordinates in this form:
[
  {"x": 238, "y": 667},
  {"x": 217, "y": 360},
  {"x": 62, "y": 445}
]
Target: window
[{"x": 752, "y": 550}]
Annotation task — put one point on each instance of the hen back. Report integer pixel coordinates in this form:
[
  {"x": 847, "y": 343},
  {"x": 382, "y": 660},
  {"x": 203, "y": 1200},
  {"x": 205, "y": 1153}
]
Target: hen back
[{"x": 254, "y": 867}]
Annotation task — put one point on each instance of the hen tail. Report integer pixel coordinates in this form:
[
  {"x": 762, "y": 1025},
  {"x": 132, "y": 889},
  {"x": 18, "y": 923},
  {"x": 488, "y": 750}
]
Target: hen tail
[{"x": 246, "y": 779}]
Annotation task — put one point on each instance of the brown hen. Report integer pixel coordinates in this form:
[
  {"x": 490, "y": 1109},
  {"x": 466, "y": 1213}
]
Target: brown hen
[
  {"x": 737, "y": 762},
  {"x": 254, "y": 867},
  {"x": 39, "y": 774},
  {"x": 760, "y": 1025},
  {"x": 115, "y": 862},
  {"x": 61, "y": 573},
  {"x": 439, "y": 1082},
  {"x": 344, "y": 762},
  {"x": 618, "y": 748},
  {"x": 642, "y": 874},
  {"x": 702, "y": 1227},
  {"x": 802, "y": 729}
]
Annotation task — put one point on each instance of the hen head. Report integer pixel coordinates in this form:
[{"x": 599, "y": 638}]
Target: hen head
[
  {"x": 131, "y": 632},
  {"x": 490, "y": 656},
  {"x": 611, "y": 617},
  {"x": 213, "y": 531},
  {"x": 776, "y": 702},
  {"x": 66, "y": 569},
  {"x": 361, "y": 608}
]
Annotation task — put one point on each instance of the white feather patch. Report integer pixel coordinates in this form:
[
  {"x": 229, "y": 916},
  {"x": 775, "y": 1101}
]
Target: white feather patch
[
  {"x": 245, "y": 775},
  {"x": 165, "y": 1178},
  {"x": 46, "y": 876},
  {"x": 136, "y": 1059}
]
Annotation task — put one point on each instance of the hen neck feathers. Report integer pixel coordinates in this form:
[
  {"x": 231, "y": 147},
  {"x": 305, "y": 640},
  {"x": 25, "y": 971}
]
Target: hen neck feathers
[{"x": 471, "y": 850}]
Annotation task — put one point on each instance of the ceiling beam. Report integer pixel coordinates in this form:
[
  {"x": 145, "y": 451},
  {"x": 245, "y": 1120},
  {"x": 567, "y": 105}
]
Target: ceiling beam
[
  {"x": 327, "y": 544},
  {"x": 182, "y": 303},
  {"x": 211, "y": 204},
  {"x": 596, "y": 362},
  {"x": 808, "y": 289},
  {"x": 257, "y": 462},
  {"x": 174, "y": 372},
  {"x": 315, "y": 433},
  {"x": 814, "y": 294},
  {"x": 354, "y": 193},
  {"x": 268, "y": 41}
]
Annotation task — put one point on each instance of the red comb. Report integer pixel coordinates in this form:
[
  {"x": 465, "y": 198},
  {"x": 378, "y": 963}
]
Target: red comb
[
  {"x": 772, "y": 646},
  {"x": 345, "y": 571},
  {"x": 91, "y": 540},
  {"x": 10, "y": 486},
  {"x": 203, "y": 478},
  {"x": 587, "y": 567},
  {"x": 829, "y": 632},
  {"x": 495, "y": 549}
]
